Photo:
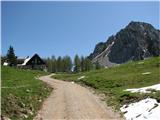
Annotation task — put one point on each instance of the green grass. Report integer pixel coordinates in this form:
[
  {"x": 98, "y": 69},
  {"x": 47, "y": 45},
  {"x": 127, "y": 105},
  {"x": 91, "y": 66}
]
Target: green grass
[
  {"x": 113, "y": 81},
  {"x": 22, "y": 94}
]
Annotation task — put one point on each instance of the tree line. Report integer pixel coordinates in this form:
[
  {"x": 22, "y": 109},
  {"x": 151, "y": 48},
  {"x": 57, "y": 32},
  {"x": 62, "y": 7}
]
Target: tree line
[
  {"x": 59, "y": 64},
  {"x": 65, "y": 64}
]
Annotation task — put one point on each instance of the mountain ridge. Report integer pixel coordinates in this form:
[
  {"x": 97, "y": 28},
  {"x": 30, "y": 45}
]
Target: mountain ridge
[{"x": 137, "y": 41}]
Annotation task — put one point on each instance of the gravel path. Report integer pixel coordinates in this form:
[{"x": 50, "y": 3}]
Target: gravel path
[{"x": 71, "y": 101}]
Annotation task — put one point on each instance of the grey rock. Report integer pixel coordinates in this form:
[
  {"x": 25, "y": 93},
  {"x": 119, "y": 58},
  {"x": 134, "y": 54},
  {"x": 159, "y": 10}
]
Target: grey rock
[{"x": 137, "y": 41}]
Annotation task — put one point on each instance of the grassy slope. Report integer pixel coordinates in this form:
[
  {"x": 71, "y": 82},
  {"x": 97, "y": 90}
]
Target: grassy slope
[
  {"x": 113, "y": 81},
  {"x": 26, "y": 99}
]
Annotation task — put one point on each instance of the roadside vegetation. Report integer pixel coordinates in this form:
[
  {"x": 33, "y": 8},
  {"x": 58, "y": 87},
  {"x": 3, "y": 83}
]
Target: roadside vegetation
[
  {"x": 22, "y": 93},
  {"x": 113, "y": 81}
]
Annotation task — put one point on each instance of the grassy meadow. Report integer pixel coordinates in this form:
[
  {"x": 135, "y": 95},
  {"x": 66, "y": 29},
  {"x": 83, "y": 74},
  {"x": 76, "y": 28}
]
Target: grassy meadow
[
  {"x": 113, "y": 81},
  {"x": 22, "y": 93}
]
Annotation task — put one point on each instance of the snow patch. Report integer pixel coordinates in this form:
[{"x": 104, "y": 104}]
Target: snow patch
[
  {"x": 81, "y": 77},
  {"x": 109, "y": 46},
  {"x": 140, "y": 63},
  {"x": 144, "y": 89},
  {"x": 147, "y": 109},
  {"x": 146, "y": 73},
  {"x": 105, "y": 67}
]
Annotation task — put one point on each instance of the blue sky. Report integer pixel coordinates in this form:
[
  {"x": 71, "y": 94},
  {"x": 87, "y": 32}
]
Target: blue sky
[{"x": 68, "y": 28}]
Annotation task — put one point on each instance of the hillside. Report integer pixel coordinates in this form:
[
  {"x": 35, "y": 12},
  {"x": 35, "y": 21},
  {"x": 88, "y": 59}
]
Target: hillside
[
  {"x": 137, "y": 41},
  {"x": 22, "y": 93},
  {"x": 113, "y": 81}
]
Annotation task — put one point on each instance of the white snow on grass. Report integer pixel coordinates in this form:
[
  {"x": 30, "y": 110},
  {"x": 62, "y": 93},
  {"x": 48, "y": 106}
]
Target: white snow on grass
[
  {"x": 147, "y": 109},
  {"x": 146, "y": 73},
  {"x": 140, "y": 63},
  {"x": 145, "y": 89},
  {"x": 81, "y": 77}
]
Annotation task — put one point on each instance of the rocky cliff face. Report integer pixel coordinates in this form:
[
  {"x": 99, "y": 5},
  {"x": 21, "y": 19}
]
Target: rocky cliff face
[{"x": 138, "y": 40}]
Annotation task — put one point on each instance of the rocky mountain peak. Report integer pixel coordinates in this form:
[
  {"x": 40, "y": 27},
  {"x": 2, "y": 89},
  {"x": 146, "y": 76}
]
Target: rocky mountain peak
[{"x": 138, "y": 40}]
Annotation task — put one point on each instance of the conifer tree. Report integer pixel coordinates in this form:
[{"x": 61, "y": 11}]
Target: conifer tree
[
  {"x": 77, "y": 64},
  {"x": 54, "y": 67},
  {"x": 49, "y": 65},
  {"x": 11, "y": 57},
  {"x": 67, "y": 64},
  {"x": 59, "y": 64},
  {"x": 82, "y": 64},
  {"x": 87, "y": 64}
]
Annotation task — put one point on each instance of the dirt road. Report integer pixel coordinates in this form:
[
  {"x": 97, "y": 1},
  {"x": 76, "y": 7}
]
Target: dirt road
[{"x": 71, "y": 101}]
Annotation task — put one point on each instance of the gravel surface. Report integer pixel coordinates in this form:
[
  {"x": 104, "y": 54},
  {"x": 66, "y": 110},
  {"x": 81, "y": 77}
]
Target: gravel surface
[{"x": 71, "y": 101}]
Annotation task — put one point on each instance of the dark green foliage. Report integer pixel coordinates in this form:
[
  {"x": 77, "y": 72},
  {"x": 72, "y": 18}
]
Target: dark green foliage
[
  {"x": 49, "y": 65},
  {"x": 87, "y": 64},
  {"x": 67, "y": 64},
  {"x": 61, "y": 64},
  {"x": 11, "y": 58},
  {"x": 64, "y": 64},
  {"x": 82, "y": 64},
  {"x": 54, "y": 64},
  {"x": 77, "y": 64},
  {"x": 3, "y": 59}
]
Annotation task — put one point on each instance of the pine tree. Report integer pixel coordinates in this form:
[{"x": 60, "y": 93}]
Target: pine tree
[
  {"x": 49, "y": 65},
  {"x": 88, "y": 64},
  {"x": 54, "y": 67},
  {"x": 77, "y": 64},
  {"x": 59, "y": 64},
  {"x": 67, "y": 63},
  {"x": 82, "y": 64},
  {"x": 12, "y": 59}
]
